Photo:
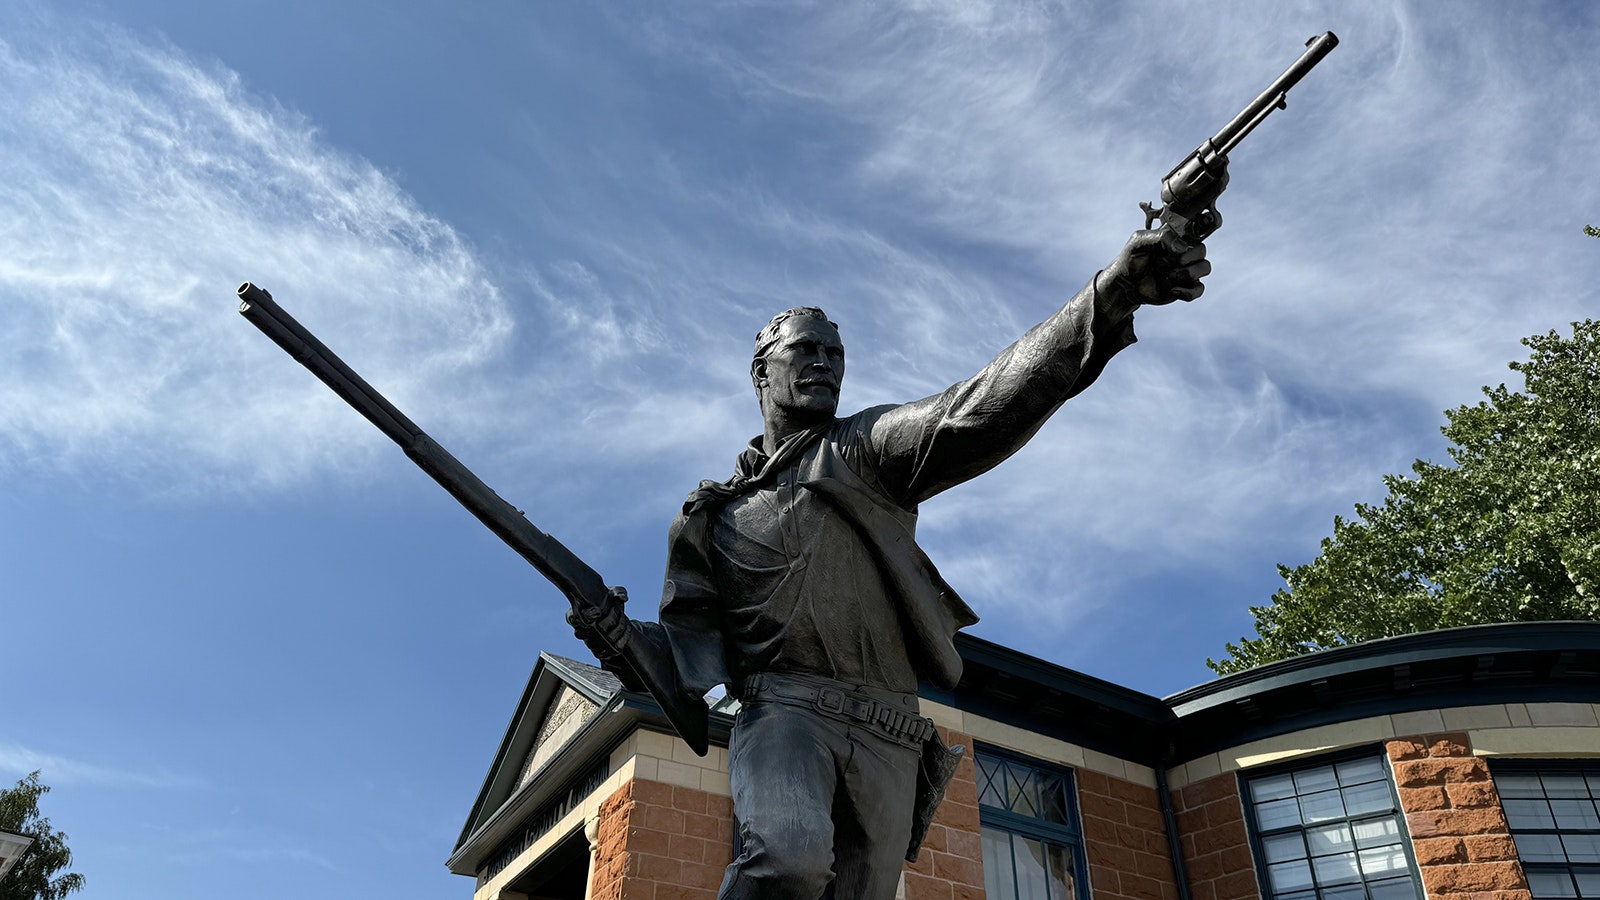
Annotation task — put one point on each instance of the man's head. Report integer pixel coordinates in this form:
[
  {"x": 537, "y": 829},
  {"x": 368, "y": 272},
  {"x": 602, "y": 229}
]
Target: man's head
[{"x": 798, "y": 367}]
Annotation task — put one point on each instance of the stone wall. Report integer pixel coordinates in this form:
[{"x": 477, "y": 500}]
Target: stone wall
[
  {"x": 1125, "y": 839},
  {"x": 1464, "y": 849},
  {"x": 1216, "y": 844},
  {"x": 658, "y": 841}
]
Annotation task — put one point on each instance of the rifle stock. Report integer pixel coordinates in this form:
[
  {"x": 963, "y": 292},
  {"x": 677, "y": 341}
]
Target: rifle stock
[{"x": 582, "y": 585}]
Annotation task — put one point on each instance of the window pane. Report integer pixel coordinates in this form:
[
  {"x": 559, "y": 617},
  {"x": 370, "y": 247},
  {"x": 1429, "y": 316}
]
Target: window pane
[
  {"x": 1578, "y": 814},
  {"x": 1278, "y": 814},
  {"x": 1582, "y": 848},
  {"x": 1340, "y": 869},
  {"x": 1325, "y": 839},
  {"x": 1321, "y": 807},
  {"x": 1022, "y": 791},
  {"x": 1588, "y": 884},
  {"x": 1565, "y": 786},
  {"x": 1062, "y": 875},
  {"x": 1311, "y": 781},
  {"x": 1291, "y": 876},
  {"x": 1529, "y": 814},
  {"x": 1345, "y": 892},
  {"x": 1032, "y": 881},
  {"x": 1383, "y": 861},
  {"x": 991, "y": 783},
  {"x": 1551, "y": 885},
  {"x": 1377, "y": 832},
  {"x": 1360, "y": 771},
  {"x": 1512, "y": 786},
  {"x": 1275, "y": 787},
  {"x": 1284, "y": 847},
  {"x": 998, "y": 878},
  {"x": 1368, "y": 798},
  {"x": 1393, "y": 889},
  {"x": 1053, "y": 799},
  {"x": 1540, "y": 848}
]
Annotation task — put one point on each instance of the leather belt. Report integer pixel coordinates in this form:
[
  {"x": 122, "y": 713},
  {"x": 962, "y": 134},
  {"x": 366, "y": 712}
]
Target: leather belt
[{"x": 840, "y": 702}]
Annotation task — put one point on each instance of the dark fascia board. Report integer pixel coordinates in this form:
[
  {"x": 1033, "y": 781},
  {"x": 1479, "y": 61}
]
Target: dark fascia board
[
  {"x": 595, "y": 739},
  {"x": 1069, "y": 681},
  {"x": 1468, "y": 666},
  {"x": 1467, "y": 641},
  {"x": 536, "y": 696},
  {"x": 1061, "y": 703},
  {"x": 1319, "y": 688}
]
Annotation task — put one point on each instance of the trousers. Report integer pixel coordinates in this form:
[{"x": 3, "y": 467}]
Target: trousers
[{"x": 818, "y": 802}]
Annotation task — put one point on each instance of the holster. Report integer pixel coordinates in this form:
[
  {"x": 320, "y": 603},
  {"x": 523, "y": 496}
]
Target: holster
[{"x": 937, "y": 767}]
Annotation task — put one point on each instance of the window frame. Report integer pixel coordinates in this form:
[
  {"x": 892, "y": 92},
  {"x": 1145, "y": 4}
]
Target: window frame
[
  {"x": 1069, "y": 837},
  {"x": 1588, "y": 767},
  {"x": 1258, "y": 836}
]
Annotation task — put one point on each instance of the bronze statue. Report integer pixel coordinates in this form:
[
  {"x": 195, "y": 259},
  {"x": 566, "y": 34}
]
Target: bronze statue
[{"x": 798, "y": 582}]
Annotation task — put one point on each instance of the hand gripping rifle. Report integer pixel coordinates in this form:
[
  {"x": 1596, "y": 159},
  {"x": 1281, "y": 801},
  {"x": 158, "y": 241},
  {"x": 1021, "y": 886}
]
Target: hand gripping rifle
[
  {"x": 583, "y": 585},
  {"x": 1190, "y": 190}
]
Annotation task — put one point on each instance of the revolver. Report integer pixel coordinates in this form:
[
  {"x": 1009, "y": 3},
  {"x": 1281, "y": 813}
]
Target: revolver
[{"x": 1189, "y": 192}]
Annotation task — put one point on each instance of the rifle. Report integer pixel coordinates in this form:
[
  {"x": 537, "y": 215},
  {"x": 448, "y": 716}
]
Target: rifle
[
  {"x": 582, "y": 585},
  {"x": 1190, "y": 190}
]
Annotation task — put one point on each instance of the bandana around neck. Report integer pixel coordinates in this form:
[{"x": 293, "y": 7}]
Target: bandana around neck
[{"x": 754, "y": 468}]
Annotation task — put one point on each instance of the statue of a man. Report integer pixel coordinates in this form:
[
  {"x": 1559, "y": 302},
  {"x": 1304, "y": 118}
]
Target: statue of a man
[{"x": 799, "y": 585}]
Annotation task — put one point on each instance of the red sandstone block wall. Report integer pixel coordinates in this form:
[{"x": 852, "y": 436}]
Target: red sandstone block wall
[
  {"x": 662, "y": 842},
  {"x": 1216, "y": 845},
  {"x": 1124, "y": 839},
  {"x": 1458, "y": 830}
]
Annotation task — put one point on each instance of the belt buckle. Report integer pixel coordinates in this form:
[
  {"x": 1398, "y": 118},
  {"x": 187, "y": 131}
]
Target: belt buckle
[{"x": 830, "y": 700}]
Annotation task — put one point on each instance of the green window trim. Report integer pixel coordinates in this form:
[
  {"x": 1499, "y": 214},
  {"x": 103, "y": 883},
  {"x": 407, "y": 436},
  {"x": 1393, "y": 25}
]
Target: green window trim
[
  {"x": 1553, "y": 809},
  {"x": 1329, "y": 828},
  {"x": 1032, "y": 836}
]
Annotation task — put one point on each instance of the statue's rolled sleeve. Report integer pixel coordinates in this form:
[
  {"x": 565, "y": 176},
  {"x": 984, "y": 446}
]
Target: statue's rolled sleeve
[{"x": 935, "y": 443}]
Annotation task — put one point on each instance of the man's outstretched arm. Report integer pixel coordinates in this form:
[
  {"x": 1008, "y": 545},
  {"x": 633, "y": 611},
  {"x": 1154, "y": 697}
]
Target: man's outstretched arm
[{"x": 935, "y": 443}]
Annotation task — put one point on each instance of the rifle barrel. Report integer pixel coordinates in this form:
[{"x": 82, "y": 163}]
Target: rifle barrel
[{"x": 575, "y": 578}]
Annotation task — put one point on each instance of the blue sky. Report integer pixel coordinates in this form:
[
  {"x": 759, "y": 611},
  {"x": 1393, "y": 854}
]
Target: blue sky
[{"x": 255, "y": 650}]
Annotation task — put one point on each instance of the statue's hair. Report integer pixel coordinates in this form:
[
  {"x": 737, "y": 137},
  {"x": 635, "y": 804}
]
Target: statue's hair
[{"x": 769, "y": 335}]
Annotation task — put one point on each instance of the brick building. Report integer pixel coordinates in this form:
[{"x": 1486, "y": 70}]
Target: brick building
[{"x": 1454, "y": 764}]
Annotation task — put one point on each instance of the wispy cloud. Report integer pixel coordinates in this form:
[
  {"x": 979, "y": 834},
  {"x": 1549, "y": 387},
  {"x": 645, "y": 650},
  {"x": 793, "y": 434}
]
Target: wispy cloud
[
  {"x": 937, "y": 175},
  {"x": 137, "y": 187},
  {"x": 16, "y": 759}
]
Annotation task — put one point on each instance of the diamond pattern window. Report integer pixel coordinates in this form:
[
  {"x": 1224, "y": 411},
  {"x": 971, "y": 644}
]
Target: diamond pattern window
[{"x": 1032, "y": 844}]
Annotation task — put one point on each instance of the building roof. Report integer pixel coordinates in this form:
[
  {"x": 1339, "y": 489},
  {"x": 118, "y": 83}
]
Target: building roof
[{"x": 1519, "y": 662}]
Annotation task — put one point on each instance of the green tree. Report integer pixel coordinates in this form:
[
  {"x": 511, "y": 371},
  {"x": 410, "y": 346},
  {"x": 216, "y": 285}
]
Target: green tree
[
  {"x": 34, "y": 876},
  {"x": 1509, "y": 533},
  {"x": 1591, "y": 231}
]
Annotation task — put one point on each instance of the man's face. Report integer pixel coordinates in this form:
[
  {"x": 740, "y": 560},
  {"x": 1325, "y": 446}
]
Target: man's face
[{"x": 802, "y": 372}]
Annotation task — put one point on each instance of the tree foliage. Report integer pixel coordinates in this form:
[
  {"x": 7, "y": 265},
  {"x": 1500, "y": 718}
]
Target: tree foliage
[
  {"x": 34, "y": 876},
  {"x": 1509, "y": 532}
]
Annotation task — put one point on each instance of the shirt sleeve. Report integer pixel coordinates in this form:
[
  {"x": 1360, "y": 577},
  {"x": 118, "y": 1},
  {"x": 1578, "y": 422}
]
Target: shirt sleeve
[{"x": 927, "y": 446}]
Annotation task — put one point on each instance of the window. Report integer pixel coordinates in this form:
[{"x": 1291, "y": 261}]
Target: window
[
  {"x": 1330, "y": 832},
  {"x": 1550, "y": 806},
  {"x": 1031, "y": 844}
]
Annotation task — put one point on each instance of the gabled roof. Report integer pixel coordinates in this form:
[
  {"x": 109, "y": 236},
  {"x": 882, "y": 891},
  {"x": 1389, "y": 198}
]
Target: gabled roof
[{"x": 549, "y": 674}]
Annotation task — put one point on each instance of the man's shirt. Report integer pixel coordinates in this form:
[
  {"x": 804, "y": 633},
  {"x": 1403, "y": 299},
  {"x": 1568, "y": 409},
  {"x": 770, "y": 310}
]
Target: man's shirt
[{"x": 801, "y": 591}]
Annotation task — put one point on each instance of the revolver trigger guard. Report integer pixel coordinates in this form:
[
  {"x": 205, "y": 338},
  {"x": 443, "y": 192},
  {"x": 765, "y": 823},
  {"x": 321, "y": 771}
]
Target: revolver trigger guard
[{"x": 1151, "y": 213}]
